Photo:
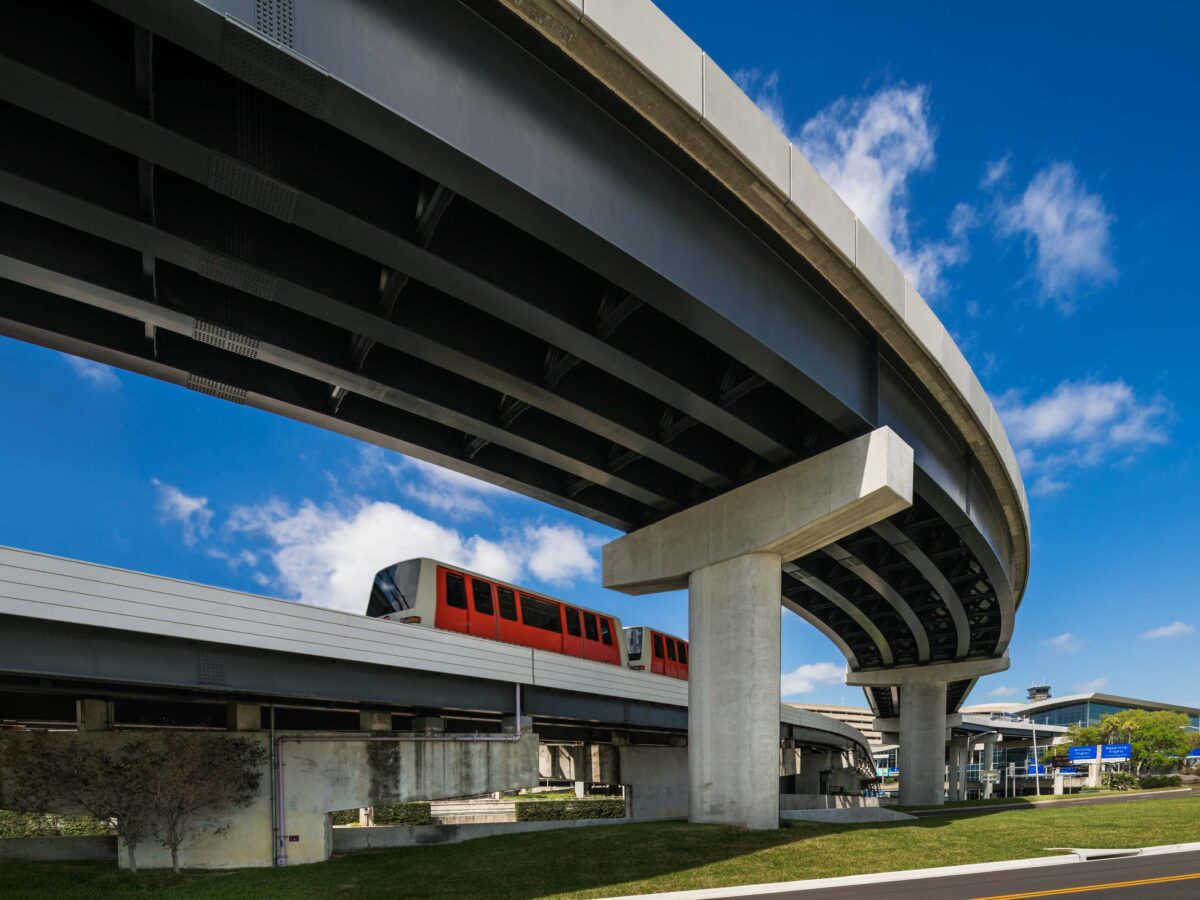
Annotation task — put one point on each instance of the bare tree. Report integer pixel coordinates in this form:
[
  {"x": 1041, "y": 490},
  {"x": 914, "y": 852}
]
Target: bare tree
[
  {"x": 201, "y": 779},
  {"x": 106, "y": 783}
]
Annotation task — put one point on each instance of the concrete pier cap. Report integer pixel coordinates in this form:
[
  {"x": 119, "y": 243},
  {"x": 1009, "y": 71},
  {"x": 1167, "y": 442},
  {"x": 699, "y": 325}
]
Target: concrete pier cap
[
  {"x": 729, "y": 552},
  {"x": 790, "y": 513}
]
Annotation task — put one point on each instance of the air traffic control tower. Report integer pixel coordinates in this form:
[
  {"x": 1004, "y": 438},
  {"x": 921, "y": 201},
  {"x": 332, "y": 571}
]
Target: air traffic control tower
[{"x": 552, "y": 245}]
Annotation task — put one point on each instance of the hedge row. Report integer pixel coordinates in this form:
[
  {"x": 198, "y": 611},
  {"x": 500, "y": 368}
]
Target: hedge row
[
  {"x": 18, "y": 825},
  {"x": 560, "y": 810},
  {"x": 397, "y": 814},
  {"x": 1161, "y": 781}
]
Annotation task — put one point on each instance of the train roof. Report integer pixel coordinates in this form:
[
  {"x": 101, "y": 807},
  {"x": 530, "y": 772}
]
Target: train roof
[{"x": 494, "y": 580}]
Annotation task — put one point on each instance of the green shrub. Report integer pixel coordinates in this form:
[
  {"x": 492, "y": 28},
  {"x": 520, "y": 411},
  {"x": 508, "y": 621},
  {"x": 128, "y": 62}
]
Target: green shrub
[
  {"x": 1160, "y": 781},
  {"x": 561, "y": 810},
  {"x": 17, "y": 824},
  {"x": 396, "y": 814},
  {"x": 1120, "y": 781},
  {"x": 403, "y": 814}
]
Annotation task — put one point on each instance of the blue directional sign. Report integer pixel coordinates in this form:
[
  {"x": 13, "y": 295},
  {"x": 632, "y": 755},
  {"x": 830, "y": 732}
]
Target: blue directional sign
[
  {"x": 1066, "y": 770},
  {"x": 1115, "y": 752},
  {"x": 1088, "y": 754},
  {"x": 1194, "y": 753},
  {"x": 1035, "y": 770}
]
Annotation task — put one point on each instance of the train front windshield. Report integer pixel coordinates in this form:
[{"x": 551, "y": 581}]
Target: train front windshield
[
  {"x": 395, "y": 589},
  {"x": 634, "y": 639}
]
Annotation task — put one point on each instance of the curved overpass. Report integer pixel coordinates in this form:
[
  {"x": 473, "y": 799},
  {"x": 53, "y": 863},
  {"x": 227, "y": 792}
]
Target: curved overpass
[{"x": 548, "y": 244}]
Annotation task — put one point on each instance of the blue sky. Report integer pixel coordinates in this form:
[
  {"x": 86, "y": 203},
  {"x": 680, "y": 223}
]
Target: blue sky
[{"x": 1034, "y": 171}]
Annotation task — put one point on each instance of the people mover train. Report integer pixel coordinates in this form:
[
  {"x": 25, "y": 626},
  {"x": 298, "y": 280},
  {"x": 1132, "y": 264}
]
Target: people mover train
[{"x": 436, "y": 595}]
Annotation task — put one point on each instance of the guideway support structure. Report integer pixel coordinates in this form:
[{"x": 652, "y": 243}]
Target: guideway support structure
[
  {"x": 923, "y": 724},
  {"x": 729, "y": 553}
]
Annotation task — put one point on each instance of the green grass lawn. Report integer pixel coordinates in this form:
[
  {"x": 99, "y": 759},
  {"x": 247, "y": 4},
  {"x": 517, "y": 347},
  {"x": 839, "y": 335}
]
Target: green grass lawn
[
  {"x": 630, "y": 859},
  {"x": 1044, "y": 798}
]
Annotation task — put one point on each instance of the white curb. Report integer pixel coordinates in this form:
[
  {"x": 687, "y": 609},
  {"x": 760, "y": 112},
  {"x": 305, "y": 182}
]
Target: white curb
[{"x": 816, "y": 884}]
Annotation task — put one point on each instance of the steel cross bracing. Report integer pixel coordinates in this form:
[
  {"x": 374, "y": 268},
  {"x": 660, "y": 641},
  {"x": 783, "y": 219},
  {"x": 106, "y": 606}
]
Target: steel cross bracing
[{"x": 161, "y": 214}]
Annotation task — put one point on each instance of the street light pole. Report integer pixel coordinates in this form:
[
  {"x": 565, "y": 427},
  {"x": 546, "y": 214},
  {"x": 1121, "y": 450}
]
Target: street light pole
[{"x": 1037, "y": 778}]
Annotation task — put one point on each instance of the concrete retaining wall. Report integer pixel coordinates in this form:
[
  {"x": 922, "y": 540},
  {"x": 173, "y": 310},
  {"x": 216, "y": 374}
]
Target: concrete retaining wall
[
  {"x": 825, "y": 801},
  {"x": 59, "y": 849},
  {"x": 319, "y": 777},
  {"x": 349, "y": 837}
]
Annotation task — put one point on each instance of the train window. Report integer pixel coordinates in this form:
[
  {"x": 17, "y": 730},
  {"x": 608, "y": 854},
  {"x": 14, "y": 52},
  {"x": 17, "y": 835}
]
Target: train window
[
  {"x": 482, "y": 592},
  {"x": 508, "y": 603},
  {"x": 683, "y": 653},
  {"x": 605, "y": 631},
  {"x": 540, "y": 613},
  {"x": 572, "y": 616},
  {"x": 634, "y": 640},
  {"x": 590, "y": 631},
  {"x": 456, "y": 591},
  {"x": 658, "y": 653},
  {"x": 671, "y": 650}
]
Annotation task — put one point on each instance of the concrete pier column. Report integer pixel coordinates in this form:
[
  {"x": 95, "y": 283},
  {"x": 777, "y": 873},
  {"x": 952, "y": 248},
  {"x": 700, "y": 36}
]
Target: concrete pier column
[
  {"x": 733, "y": 692},
  {"x": 93, "y": 715},
  {"x": 922, "y": 751},
  {"x": 988, "y": 762},
  {"x": 729, "y": 553},
  {"x": 954, "y": 773},
  {"x": 243, "y": 716},
  {"x": 963, "y": 755}
]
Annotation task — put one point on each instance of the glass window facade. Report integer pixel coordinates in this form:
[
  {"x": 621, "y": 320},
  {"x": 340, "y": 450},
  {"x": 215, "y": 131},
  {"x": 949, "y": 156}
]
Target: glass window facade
[{"x": 1088, "y": 712}]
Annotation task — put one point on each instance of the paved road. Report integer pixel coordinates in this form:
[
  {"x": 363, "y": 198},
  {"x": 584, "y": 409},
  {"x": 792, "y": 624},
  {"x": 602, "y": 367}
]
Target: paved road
[
  {"x": 1057, "y": 804},
  {"x": 1171, "y": 876}
]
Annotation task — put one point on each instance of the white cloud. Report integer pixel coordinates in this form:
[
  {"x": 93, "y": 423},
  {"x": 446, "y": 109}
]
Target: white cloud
[
  {"x": 803, "y": 680},
  {"x": 193, "y": 513},
  {"x": 1080, "y": 424},
  {"x": 234, "y": 559},
  {"x": 1068, "y": 229},
  {"x": 559, "y": 554},
  {"x": 1175, "y": 629},
  {"x": 1090, "y": 687},
  {"x": 328, "y": 555},
  {"x": 869, "y": 149},
  {"x": 996, "y": 171},
  {"x": 1003, "y": 691},
  {"x": 325, "y": 556},
  {"x": 96, "y": 374},
  {"x": 439, "y": 489},
  {"x": 1067, "y": 642}
]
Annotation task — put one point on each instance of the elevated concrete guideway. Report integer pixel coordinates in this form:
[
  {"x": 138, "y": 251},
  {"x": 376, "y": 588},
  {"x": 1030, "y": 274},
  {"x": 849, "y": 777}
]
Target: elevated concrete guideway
[{"x": 548, "y": 244}]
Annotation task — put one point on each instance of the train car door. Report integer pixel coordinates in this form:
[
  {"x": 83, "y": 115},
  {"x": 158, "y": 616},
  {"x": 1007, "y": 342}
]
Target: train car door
[
  {"x": 592, "y": 648},
  {"x": 658, "y": 659},
  {"x": 507, "y": 622},
  {"x": 609, "y": 651},
  {"x": 683, "y": 659},
  {"x": 671, "y": 664},
  {"x": 482, "y": 616},
  {"x": 573, "y": 632},
  {"x": 451, "y": 601}
]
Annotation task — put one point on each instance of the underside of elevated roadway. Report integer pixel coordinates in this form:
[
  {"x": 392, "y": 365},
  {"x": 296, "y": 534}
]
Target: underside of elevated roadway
[{"x": 510, "y": 239}]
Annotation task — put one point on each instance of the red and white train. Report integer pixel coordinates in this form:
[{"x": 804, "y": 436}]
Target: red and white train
[{"x": 436, "y": 595}]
